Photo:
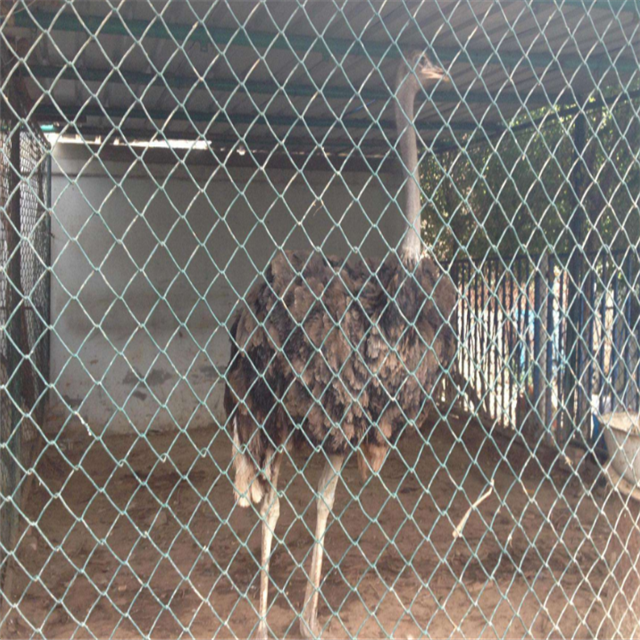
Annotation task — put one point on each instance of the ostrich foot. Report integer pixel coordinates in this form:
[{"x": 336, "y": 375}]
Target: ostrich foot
[{"x": 310, "y": 627}]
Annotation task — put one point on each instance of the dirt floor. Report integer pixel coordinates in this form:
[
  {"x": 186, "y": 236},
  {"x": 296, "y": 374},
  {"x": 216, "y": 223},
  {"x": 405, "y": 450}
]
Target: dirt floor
[{"x": 140, "y": 537}]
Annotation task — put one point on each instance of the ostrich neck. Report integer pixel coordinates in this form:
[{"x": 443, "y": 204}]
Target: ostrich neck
[{"x": 411, "y": 245}]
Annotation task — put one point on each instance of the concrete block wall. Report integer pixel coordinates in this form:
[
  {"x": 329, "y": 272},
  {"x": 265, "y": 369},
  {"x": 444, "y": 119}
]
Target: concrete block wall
[{"x": 149, "y": 262}]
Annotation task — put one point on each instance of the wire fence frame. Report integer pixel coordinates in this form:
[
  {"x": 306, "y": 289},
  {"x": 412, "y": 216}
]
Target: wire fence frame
[{"x": 24, "y": 316}]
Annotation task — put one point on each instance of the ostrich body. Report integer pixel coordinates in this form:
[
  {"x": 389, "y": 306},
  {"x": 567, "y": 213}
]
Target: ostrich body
[{"x": 339, "y": 355}]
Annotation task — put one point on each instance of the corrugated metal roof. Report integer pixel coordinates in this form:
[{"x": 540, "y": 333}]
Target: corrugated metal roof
[{"x": 317, "y": 72}]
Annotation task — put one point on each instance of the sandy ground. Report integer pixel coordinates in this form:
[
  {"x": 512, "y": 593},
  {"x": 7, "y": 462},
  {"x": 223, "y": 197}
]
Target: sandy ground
[{"x": 142, "y": 537}]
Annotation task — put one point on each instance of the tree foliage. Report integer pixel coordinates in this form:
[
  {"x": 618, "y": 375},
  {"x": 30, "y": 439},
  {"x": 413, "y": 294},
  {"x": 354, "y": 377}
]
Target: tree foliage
[{"x": 518, "y": 192}]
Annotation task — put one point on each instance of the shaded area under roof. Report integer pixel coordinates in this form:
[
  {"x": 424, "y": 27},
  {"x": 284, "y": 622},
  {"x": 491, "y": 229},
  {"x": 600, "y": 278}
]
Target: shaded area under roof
[{"x": 281, "y": 76}]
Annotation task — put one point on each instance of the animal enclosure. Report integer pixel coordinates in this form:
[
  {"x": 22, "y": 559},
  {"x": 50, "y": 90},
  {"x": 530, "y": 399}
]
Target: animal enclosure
[{"x": 314, "y": 318}]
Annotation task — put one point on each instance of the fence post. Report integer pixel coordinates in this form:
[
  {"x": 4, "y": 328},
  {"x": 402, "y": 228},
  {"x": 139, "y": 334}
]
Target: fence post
[
  {"x": 542, "y": 344},
  {"x": 10, "y": 431},
  {"x": 47, "y": 279},
  {"x": 574, "y": 294},
  {"x": 549, "y": 338},
  {"x": 603, "y": 386},
  {"x": 539, "y": 352},
  {"x": 634, "y": 330},
  {"x": 627, "y": 331},
  {"x": 616, "y": 328}
]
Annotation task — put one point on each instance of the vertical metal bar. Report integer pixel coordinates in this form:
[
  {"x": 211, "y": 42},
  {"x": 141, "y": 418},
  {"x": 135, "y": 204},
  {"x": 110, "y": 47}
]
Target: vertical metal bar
[
  {"x": 537, "y": 342},
  {"x": 627, "y": 331},
  {"x": 10, "y": 434},
  {"x": 580, "y": 392},
  {"x": 527, "y": 316},
  {"x": 495, "y": 346},
  {"x": 520, "y": 332},
  {"x": 576, "y": 225},
  {"x": 14, "y": 258},
  {"x": 603, "y": 332},
  {"x": 636, "y": 363},
  {"x": 498, "y": 347},
  {"x": 491, "y": 298},
  {"x": 483, "y": 341},
  {"x": 562, "y": 326},
  {"x": 467, "y": 318},
  {"x": 591, "y": 333},
  {"x": 504, "y": 329},
  {"x": 47, "y": 310},
  {"x": 615, "y": 353},
  {"x": 490, "y": 347},
  {"x": 512, "y": 316},
  {"x": 497, "y": 342},
  {"x": 476, "y": 338},
  {"x": 637, "y": 346},
  {"x": 453, "y": 320},
  {"x": 550, "y": 340},
  {"x": 463, "y": 322}
]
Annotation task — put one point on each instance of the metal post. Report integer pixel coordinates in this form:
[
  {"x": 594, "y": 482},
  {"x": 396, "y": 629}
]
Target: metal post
[
  {"x": 592, "y": 314},
  {"x": 539, "y": 352},
  {"x": 47, "y": 366},
  {"x": 550, "y": 339},
  {"x": 626, "y": 345},
  {"x": 574, "y": 297},
  {"x": 615, "y": 341},
  {"x": 10, "y": 435},
  {"x": 603, "y": 334},
  {"x": 513, "y": 318}
]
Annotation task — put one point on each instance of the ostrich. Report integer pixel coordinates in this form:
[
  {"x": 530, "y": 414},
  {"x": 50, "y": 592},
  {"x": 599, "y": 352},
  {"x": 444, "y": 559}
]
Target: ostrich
[{"x": 339, "y": 355}]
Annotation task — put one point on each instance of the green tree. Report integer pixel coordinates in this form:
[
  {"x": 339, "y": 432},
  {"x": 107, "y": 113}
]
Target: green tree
[{"x": 513, "y": 194}]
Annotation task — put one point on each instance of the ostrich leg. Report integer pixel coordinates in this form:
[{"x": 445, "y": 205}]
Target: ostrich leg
[
  {"x": 309, "y": 626},
  {"x": 269, "y": 511}
]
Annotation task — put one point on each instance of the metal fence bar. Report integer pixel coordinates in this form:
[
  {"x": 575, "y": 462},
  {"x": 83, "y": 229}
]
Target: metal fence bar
[
  {"x": 15, "y": 348},
  {"x": 537, "y": 349},
  {"x": 603, "y": 329},
  {"x": 24, "y": 318},
  {"x": 550, "y": 338}
]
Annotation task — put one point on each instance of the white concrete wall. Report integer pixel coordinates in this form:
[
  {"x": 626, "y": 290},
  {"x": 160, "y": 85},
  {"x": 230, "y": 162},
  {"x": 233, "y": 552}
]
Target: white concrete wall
[{"x": 145, "y": 281}]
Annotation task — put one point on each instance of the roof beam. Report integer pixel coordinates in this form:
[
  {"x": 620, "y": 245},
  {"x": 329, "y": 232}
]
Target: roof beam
[
  {"x": 222, "y": 37},
  {"x": 229, "y": 85},
  {"x": 49, "y": 113},
  {"x": 53, "y": 113}
]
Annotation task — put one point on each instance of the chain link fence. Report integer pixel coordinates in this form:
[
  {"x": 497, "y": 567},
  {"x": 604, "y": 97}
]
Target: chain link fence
[
  {"x": 368, "y": 269},
  {"x": 24, "y": 311}
]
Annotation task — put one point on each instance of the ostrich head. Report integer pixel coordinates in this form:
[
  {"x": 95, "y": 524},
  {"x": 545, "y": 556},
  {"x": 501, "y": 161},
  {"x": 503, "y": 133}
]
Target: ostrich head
[{"x": 414, "y": 73}]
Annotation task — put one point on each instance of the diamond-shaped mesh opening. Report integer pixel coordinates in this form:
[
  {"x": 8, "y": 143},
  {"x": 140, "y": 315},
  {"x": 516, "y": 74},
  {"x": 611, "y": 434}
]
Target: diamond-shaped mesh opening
[
  {"x": 368, "y": 269},
  {"x": 24, "y": 317}
]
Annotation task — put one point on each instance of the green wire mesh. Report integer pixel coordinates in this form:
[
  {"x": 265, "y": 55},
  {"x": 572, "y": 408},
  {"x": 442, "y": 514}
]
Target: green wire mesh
[
  {"x": 24, "y": 315},
  {"x": 503, "y": 515}
]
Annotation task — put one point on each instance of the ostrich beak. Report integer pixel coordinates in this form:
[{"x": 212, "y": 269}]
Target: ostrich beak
[
  {"x": 438, "y": 73},
  {"x": 432, "y": 72}
]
